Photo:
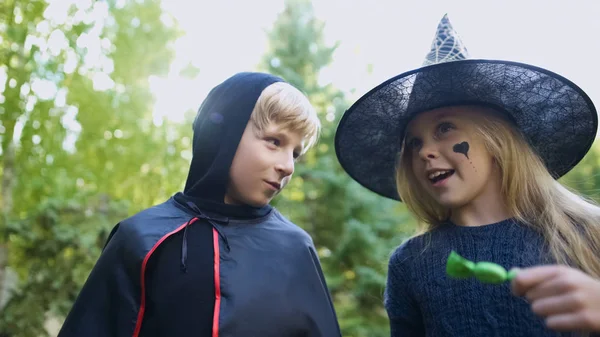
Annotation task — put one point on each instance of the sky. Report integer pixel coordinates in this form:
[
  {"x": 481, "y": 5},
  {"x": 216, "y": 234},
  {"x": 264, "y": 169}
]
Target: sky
[
  {"x": 227, "y": 36},
  {"x": 378, "y": 40}
]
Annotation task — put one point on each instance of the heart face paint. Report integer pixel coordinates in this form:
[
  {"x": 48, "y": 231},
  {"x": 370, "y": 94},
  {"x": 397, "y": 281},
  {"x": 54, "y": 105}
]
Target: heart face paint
[{"x": 462, "y": 148}]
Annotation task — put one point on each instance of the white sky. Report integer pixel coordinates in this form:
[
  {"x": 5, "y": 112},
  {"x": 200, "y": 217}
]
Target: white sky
[{"x": 227, "y": 36}]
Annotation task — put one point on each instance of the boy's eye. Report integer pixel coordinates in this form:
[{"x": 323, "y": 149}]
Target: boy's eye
[{"x": 273, "y": 141}]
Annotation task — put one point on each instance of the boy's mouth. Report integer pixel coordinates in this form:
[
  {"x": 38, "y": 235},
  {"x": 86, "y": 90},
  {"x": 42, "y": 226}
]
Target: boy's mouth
[
  {"x": 276, "y": 186},
  {"x": 439, "y": 175}
]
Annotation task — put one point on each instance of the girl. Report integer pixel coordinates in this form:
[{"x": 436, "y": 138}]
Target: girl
[{"x": 473, "y": 148}]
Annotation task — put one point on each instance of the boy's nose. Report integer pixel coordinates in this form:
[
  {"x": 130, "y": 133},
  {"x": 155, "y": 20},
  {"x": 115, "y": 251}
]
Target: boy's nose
[{"x": 286, "y": 166}]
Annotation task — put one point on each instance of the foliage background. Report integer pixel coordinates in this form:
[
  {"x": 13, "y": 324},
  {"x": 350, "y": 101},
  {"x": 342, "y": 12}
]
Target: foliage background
[{"x": 80, "y": 150}]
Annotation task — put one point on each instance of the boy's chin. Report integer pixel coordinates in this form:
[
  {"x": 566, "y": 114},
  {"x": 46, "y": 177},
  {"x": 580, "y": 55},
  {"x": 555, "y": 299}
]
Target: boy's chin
[
  {"x": 254, "y": 200},
  {"x": 258, "y": 202},
  {"x": 258, "y": 205}
]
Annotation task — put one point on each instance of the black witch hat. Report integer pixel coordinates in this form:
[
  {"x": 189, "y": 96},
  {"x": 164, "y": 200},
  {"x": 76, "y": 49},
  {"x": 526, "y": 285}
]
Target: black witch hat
[{"x": 557, "y": 118}]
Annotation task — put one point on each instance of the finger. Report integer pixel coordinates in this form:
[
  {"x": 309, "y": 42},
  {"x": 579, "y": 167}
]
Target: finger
[
  {"x": 560, "y": 284},
  {"x": 558, "y": 305},
  {"x": 570, "y": 322},
  {"x": 530, "y": 277}
]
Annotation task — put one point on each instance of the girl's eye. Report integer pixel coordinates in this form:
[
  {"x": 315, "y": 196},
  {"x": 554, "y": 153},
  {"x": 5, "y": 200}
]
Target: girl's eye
[
  {"x": 296, "y": 155},
  {"x": 414, "y": 143},
  {"x": 445, "y": 127}
]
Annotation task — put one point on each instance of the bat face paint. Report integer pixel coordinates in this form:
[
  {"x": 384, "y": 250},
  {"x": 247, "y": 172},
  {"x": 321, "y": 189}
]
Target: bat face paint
[{"x": 462, "y": 148}]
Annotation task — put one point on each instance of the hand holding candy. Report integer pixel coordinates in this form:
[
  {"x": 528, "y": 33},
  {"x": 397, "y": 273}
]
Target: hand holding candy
[
  {"x": 568, "y": 298},
  {"x": 486, "y": 272}
]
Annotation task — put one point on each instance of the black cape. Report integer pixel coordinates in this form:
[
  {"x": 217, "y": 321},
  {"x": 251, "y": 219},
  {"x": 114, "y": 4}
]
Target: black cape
[{"x": 193, "y": 266}]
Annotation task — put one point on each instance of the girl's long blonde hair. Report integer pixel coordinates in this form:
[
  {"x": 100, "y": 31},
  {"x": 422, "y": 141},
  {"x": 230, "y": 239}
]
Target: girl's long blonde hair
[{"x": 569, "y": 223}]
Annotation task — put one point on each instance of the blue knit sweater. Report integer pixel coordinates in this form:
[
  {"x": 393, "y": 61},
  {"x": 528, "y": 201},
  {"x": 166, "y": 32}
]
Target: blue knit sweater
[{"x": 422, "y": 301}]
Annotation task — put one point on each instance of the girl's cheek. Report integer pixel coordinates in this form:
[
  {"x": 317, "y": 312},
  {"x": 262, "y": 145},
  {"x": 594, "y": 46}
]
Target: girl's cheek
[
  {"x": 462, "y": 151},
  {"x": 462, "y": 148}
]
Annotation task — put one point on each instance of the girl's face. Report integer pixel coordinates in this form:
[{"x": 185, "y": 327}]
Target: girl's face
[{"x": 449, "y": 161}]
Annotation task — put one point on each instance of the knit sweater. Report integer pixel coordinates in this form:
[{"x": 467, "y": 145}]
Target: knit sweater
[{"x": 421, "y": 300}]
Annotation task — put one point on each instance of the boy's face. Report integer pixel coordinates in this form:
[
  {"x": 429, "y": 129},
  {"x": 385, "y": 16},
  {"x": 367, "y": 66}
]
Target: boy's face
[
  {"x": 450, "y": 162},
  {"x": 263, "y": 165}
]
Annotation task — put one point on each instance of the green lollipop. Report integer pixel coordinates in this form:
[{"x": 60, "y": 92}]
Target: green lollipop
[
  {"x": 459, "y": 267},
  {"x": 486, "y": 272}
]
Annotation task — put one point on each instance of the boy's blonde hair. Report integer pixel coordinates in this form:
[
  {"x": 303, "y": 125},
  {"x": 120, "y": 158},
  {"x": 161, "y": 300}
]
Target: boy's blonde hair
[
  {"x": 283, "y": 104},
  {"x": 569, "y": 223}
]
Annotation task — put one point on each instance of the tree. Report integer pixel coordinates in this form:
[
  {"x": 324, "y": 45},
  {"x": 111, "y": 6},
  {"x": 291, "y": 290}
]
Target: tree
[
  {"x": 79, "y": 143},
  {"x": 354, "y": 230},
  {"x": 585, "y": 177}
]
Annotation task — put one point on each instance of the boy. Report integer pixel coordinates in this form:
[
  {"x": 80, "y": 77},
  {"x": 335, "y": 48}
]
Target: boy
[{"x": 217, "y": 259}]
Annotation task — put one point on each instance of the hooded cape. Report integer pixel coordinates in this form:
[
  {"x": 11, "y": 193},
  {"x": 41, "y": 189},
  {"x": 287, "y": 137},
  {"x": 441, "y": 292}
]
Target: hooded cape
[{"x": 195, "y": 266}]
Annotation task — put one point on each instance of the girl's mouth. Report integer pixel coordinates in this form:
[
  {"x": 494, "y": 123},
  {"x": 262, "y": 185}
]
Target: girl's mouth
[{"x": 438, "y": 177}]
